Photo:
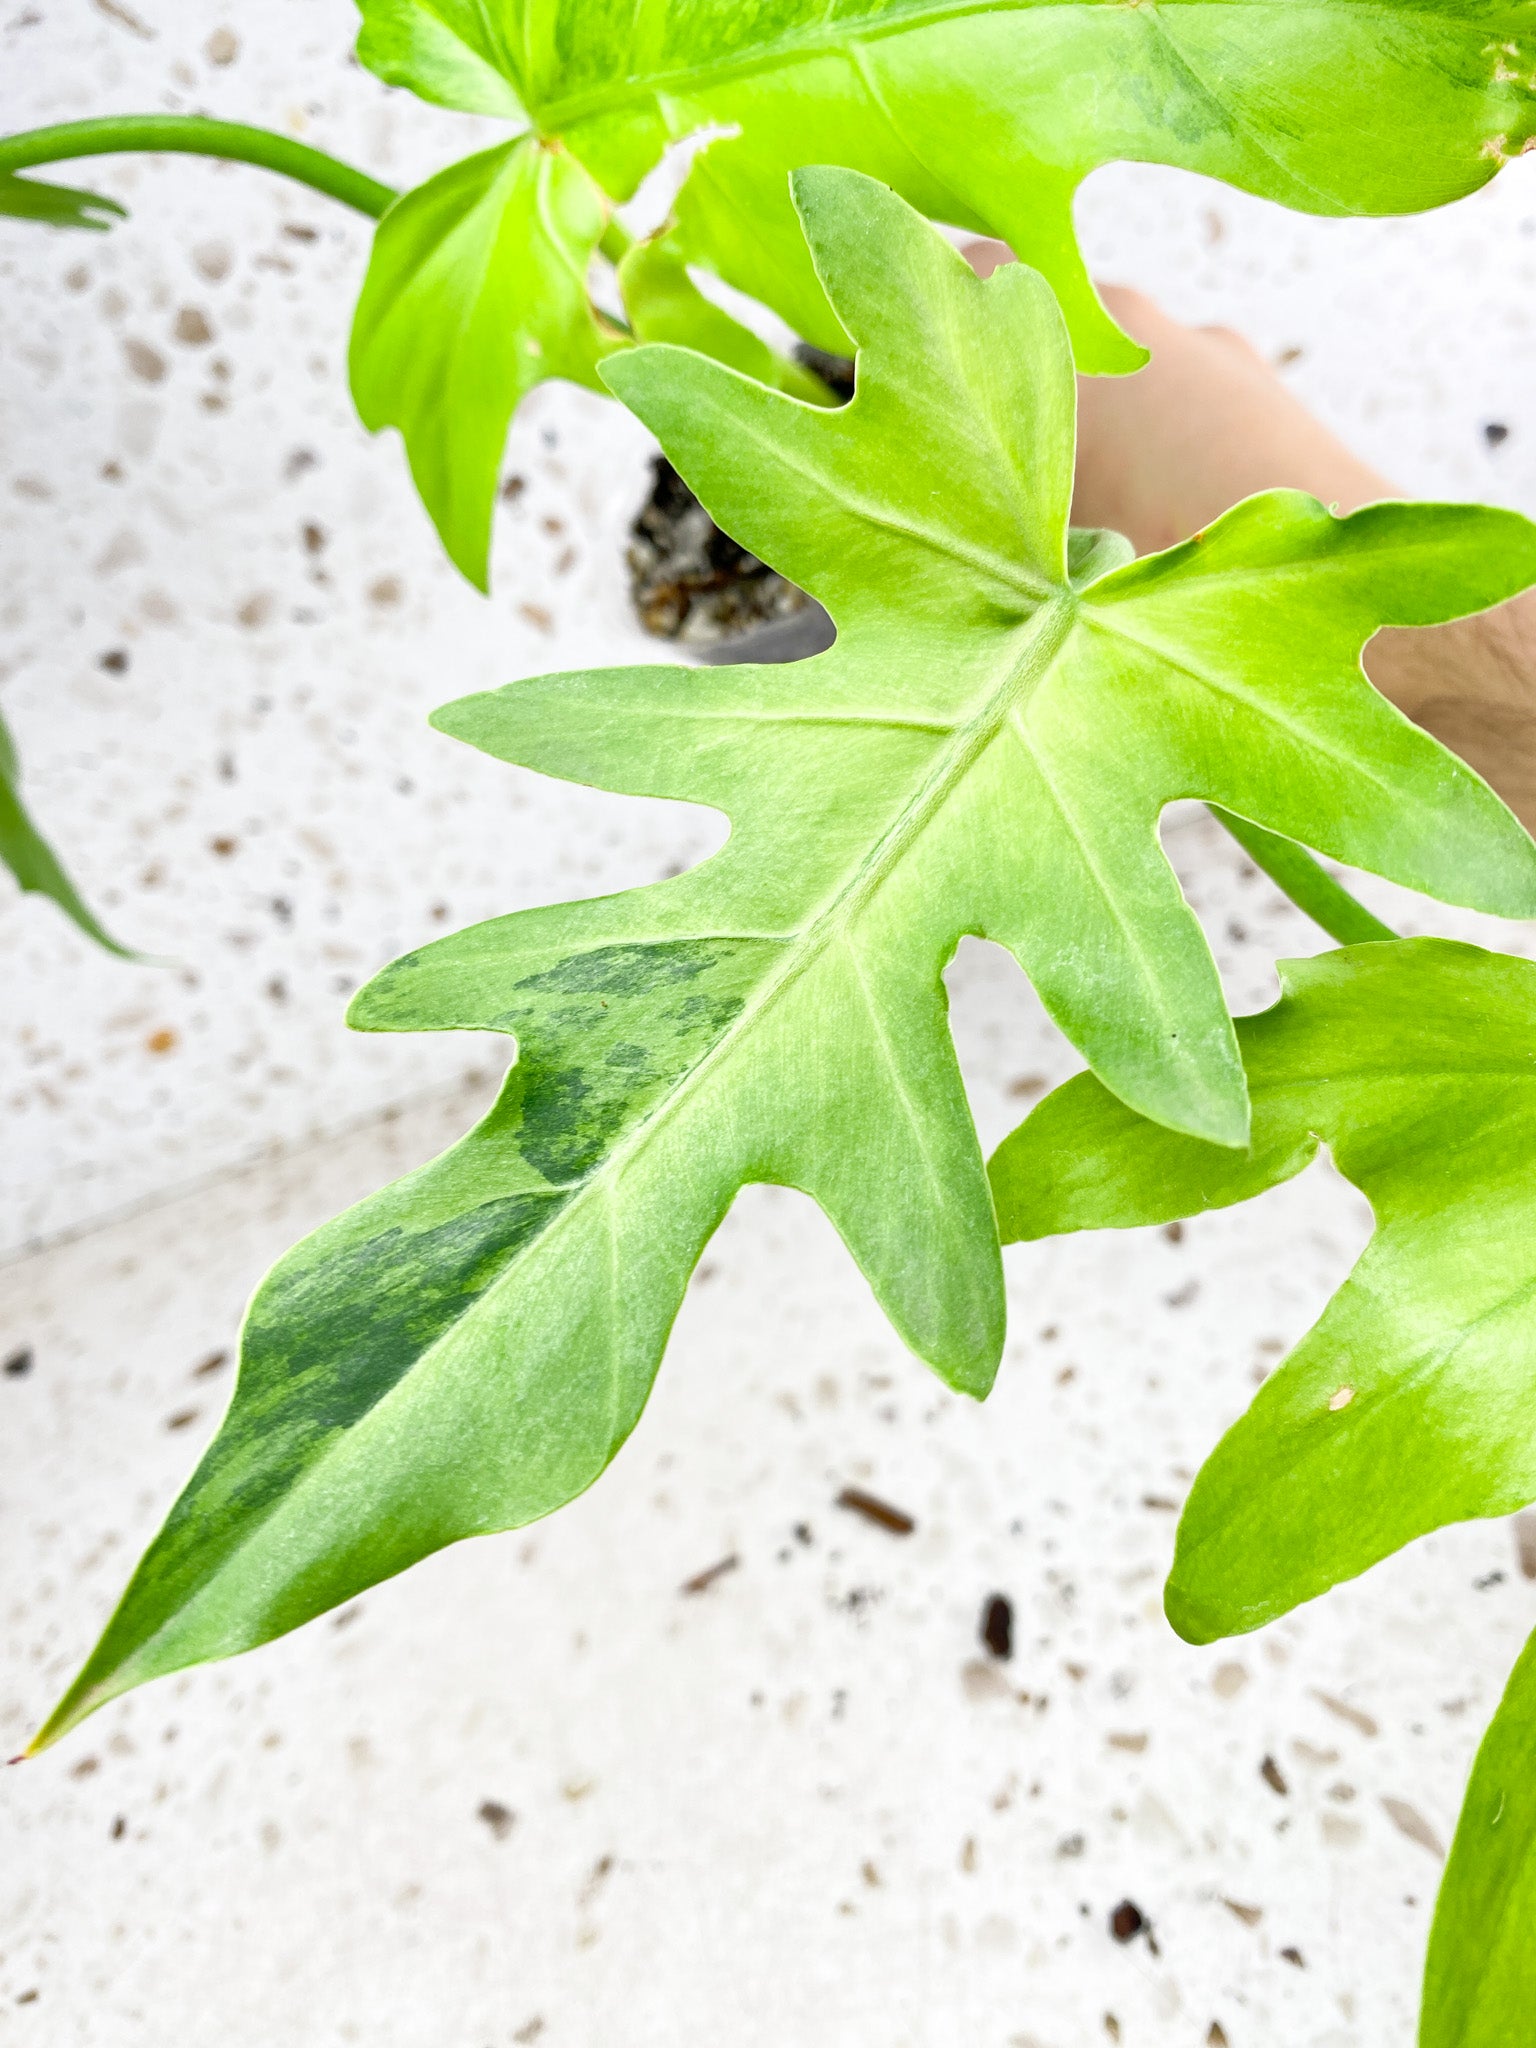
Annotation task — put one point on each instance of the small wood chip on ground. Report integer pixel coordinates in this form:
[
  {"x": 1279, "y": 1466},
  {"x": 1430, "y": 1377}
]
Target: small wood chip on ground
[
  {"x": 1273, "y": 1777},
  {"x": 701, "y": 1581},
  {"x": 875, "y": 1510}
]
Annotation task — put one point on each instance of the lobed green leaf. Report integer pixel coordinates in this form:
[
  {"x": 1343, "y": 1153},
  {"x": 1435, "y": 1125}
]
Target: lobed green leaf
[
  {"x": 988, "y": 113},
  {"x": 455, "y": 53},
  {"x": 476, "y": 291},
  {"x": 986, "y": 749},
  {"x": 1408, "y": 1405}
]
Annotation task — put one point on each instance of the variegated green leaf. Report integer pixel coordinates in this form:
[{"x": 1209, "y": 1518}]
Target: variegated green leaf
[
  {"x": 986, "y": 749},
  {"x": 989, "y": 113}
]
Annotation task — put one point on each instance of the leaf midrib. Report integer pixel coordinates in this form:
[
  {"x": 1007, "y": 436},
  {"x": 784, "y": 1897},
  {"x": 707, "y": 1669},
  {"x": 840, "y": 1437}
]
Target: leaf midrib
[
  {"x": 1044, "y": 634},
  {"x": 556, "y": 116}
]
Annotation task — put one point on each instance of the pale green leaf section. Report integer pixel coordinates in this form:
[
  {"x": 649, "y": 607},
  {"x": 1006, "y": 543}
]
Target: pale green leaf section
[
  {"x": 57, "y": 206},
  {"x": 664, "y": 304},
  {"x": 1410, "y": 1403},
  {"x": 989, "y": 113},
  {"x": 476, "y": 291},
  {"x": 33, "y": 862},
  {"x": 1480, "y": 1977},
  {"x": 986, "y": 749},
  {"x": 455, "y": 53}
]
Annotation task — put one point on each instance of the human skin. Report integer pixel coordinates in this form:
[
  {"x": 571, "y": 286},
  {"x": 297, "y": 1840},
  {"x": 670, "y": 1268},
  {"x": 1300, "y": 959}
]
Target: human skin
[{"x": 1162, "y": 452}]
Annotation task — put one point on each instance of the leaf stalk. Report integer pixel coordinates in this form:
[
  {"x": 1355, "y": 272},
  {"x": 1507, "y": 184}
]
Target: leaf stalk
[{"x": 200, "y": 135}]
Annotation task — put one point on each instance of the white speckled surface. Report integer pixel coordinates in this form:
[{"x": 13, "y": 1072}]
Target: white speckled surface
[
  {"x": 259, "y": 796},
  {"x": 801, "y": 1806}
]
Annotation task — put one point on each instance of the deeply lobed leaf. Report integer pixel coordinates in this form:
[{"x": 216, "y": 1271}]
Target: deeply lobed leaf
[
  {"x": 476, "y": 291},
  {"x": 986, "y": 113},
  {"x": 986, "y": 749},
  {"x": 1408, "y": 1405}
]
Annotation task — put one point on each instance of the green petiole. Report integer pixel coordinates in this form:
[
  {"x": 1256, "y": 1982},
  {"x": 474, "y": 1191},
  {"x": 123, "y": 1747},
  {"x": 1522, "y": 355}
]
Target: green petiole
[{"x": 200, "y": 135}]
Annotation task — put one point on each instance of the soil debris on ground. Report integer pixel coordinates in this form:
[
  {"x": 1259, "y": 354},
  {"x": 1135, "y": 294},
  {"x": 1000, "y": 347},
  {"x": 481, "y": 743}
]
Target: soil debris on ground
[
  {"x": 1127, "y": 1921},
  {"x": 997, "y": 1626},
  {"x": 875, "y": 1510},
  {"x": 498, "y": 1818},
  {"x": 691, "y": 582},
  {"x": 701, "y": 1581}
]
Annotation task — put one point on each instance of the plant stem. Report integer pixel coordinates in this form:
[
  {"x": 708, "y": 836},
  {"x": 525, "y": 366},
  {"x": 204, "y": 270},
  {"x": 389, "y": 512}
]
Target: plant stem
[
  {"x": 198, "y": 135},
  {"x": 1310, "y": 887}
]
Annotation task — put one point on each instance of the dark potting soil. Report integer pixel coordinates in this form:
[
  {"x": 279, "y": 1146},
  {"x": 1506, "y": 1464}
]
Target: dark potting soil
[{"x": 692, "y": 583}]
